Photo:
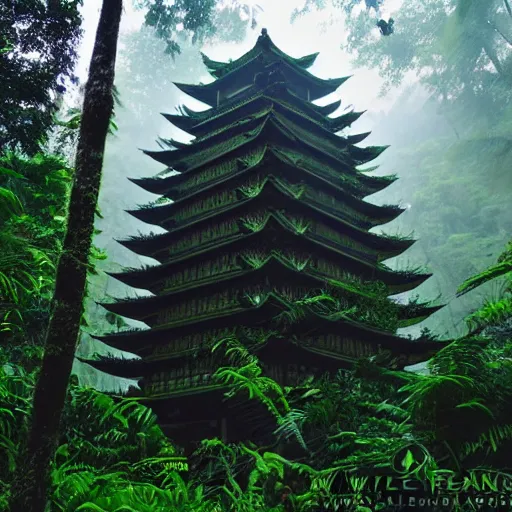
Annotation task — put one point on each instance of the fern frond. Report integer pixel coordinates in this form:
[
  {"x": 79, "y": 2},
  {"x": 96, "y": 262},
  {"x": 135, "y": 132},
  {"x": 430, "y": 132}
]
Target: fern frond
[{"x": 493, "y": 272}]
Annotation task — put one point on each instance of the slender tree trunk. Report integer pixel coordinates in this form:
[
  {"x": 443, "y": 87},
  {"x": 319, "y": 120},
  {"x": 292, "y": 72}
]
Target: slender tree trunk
[
  {"x": 30, "y": 492},
  {"x": 509, "y": 9}
]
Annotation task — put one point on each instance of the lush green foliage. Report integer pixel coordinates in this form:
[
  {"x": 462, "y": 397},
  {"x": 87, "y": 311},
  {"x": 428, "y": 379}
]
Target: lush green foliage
[
  {"x": 113, "y": 457},
  {"x": 35, "y": 195},
  {"x": 37, "y": 55}
]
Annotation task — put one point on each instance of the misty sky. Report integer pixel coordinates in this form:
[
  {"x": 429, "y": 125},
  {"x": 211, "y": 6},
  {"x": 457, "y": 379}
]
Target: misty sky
[{"x": 315, "y": 32}]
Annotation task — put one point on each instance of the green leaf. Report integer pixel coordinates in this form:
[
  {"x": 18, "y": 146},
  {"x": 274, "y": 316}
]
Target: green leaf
[
  {"x": 475, "y": 403},
  {"x": 493, "y": 272},
  {"x": 408, "y": 460}
]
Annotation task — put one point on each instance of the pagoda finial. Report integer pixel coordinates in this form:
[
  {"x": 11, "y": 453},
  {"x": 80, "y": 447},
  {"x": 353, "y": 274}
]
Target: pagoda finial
[{"x": 264, "y": 39}]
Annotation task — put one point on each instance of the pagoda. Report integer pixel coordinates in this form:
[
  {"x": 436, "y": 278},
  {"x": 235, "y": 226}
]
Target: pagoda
[{"x": 267, "y": 241}]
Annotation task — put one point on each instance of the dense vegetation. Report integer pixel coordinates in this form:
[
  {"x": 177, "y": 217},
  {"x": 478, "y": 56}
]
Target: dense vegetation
[{"x": 456, "y": 418}]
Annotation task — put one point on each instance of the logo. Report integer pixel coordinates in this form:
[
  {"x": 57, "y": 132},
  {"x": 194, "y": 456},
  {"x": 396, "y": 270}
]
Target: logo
[{"x": 410, "y": 460}]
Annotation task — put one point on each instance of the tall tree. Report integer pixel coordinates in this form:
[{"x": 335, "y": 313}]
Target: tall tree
[{"x": 32, "y": 483}]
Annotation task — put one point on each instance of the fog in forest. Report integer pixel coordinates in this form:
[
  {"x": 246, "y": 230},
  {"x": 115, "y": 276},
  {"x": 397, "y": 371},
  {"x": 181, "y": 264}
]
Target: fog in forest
[{"x": 437, "y": 91}]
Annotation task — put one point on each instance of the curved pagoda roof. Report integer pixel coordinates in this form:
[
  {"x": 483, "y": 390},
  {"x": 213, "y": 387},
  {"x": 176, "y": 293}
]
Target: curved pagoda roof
[
  {"x": 263, "y": 45},
  {"x": 202, "y": 122},
  {"x": 268, "y": 314},
  {"x": 264, "y": 58},
  {"x": 198, "y": 123},
  {"x": 147, "y": 309}
]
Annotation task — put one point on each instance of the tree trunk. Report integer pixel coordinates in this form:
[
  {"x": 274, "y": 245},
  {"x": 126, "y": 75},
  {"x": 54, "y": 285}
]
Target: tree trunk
[{"x": 30, "y": 491}]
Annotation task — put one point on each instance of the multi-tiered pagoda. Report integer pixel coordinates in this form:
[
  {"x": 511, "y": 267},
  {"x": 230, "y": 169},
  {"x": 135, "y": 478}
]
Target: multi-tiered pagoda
[{"x": 267, "y": 212}]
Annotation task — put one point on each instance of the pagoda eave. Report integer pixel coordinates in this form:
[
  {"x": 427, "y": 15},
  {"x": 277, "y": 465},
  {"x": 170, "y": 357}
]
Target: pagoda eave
[
  {"x": 366, "y": 154},
  {"x": 182, "y": 122},
  {"x": 376, "y": 183},
  {"x": 201, "y": 93},
  {"x": 147, "y": 278},
  {"x": 153, "y": 185},
  {"x": 156, "y": 246},
  {"x": 264, "y": 45},
  {"x": 135, "y": 277},
  {"x": 137, "y": 341},
  {"x": 382, "y": 214},
  {"x": 307, "y": 61},
  {"x": 327, "y": 110},
  {"x": 399, "y": 282},
  {"x": 358, "y": 138},
  {"x": 142, "y": 307},
  {"x": 146, "y": 215},
  {"x": 344, "y": 120},
  {"x": 408, "y": 317},
  {"x": 274, "y": 189},
  {"x": 268, "y": 129},
  {"x": 118, "y": 367},
  {"x": 318, "y": 324},
  {"x": 199, "y": 123},
  {"x": 317, "y": 87},
  {"x": 280, "y": 273}
]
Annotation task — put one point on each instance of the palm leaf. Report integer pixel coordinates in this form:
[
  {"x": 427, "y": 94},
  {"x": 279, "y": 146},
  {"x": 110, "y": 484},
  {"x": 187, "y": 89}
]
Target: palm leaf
[{"x": 493, "y": 272}]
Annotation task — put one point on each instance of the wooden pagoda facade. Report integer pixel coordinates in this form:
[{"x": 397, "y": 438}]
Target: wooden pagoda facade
[{"x": 267, "y": 213}]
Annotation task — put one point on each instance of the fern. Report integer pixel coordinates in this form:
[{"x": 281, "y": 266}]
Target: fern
[
  {"x": 249, "y": 378},
  {"x": 490, "y": 440},
  {"x": 291, "y": 425},
  {"x": 490, "y": 314}
]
